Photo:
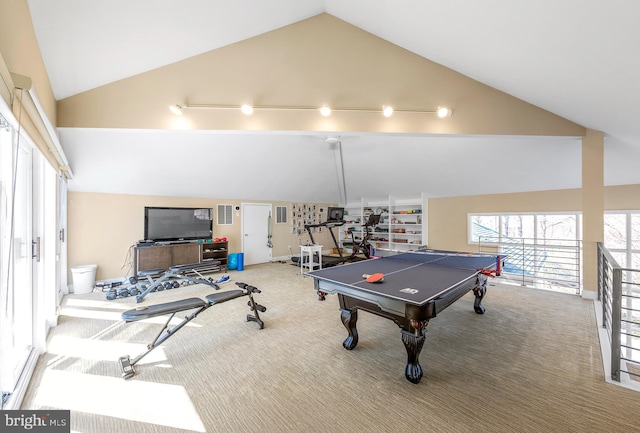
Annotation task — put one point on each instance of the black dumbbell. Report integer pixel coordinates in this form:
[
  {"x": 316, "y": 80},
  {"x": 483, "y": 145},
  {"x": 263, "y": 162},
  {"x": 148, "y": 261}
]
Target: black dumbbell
[
  {"x": 111, "y": 294},
  {"x": 133, "y": 279},
  {"x": 124, "y": 292},
  {"x": 133, "y": 291},
  {"x": 175, "y": 284}
]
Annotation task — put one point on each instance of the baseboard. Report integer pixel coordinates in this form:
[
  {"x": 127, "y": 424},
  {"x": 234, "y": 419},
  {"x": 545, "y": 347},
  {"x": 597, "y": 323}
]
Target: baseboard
[{"x": 281, "y": 258}]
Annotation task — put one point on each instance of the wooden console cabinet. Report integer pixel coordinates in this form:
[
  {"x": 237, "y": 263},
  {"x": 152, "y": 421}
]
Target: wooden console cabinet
[
  {"x": 215, "y": 251},
  {"x": 165, "y": 256}
]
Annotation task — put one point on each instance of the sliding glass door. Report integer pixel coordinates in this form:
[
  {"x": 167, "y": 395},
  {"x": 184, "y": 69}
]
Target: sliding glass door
[{"x": 16, "y": 266}]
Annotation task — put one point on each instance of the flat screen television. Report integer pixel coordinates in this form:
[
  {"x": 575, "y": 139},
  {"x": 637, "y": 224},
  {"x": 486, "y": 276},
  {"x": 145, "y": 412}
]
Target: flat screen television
[
  {"x": 166, "y": 224},
  {"x": 335, "y": 214}
]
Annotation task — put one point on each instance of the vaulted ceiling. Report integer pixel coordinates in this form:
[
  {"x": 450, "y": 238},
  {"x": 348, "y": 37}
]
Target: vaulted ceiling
[{"x": 576, "y": 58}]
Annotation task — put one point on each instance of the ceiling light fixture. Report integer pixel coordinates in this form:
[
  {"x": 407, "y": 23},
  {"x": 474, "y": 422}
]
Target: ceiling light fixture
[
  {"x": 325, "y": 110},
  {"x": 443, "y": 112},
  {"x": 176, "y": 109}
]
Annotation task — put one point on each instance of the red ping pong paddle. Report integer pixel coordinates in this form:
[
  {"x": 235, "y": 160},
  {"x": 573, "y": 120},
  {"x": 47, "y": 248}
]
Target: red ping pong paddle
[
  {"x": 373, "y": 278},
  {"x": 488, "y": 272}
]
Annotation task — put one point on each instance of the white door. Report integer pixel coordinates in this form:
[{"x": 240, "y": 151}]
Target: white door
[{"x": 255, "y": 233}]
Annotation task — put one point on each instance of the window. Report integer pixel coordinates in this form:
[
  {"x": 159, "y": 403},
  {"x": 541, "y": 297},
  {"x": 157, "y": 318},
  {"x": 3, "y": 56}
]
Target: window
[
  {"x": 517, "y": 226},
  {"x": 622, "y": 239},
  {"x": 281, "y": 214},
  {"x": 485, "y": 226},
  {"x": 225, "y": 214},
  {"x": 550, "y": 227},
  {"x": 542, "y": 227},
  {"x": 541, "y": 249}
]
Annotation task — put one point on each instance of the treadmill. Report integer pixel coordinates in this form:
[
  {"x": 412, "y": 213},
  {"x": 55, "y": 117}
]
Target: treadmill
[{"x": 335, "y": 218}]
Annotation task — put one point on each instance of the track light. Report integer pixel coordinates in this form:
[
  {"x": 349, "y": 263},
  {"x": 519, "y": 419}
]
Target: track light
[
  {"x": 325, "y": 110},
  {"x": 176, "y": 109},
  {"x": 443, "y": 112}
]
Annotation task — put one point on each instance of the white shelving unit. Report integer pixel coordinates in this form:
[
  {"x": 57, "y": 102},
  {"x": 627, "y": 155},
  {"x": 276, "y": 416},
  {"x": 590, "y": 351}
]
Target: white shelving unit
[
  {"x": 403, "y": 225},
  {"x": 407, "y": 224}
]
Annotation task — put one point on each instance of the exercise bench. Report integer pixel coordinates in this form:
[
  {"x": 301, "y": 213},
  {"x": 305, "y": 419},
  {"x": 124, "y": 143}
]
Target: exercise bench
[
  {"x": 157, "y": 277},
  {"x": 172, "y": 308}
]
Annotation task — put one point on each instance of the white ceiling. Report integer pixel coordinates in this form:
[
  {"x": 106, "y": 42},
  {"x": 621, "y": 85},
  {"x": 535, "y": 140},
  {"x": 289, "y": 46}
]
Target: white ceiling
[{"x": 576, "y": 58}]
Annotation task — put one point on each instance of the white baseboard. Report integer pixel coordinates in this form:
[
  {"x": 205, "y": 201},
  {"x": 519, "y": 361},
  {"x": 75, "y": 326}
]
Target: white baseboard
[{"x": 281, "y": 258}]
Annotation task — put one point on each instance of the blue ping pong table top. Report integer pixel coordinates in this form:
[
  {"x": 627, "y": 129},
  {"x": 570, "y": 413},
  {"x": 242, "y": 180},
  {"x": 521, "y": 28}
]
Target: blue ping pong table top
[{"x": 414, "y": 277}]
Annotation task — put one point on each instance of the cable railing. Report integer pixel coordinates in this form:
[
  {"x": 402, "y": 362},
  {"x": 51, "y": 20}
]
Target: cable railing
[
  {"x": 619, "y": 295},
  {"x": 553, "y": 264}
]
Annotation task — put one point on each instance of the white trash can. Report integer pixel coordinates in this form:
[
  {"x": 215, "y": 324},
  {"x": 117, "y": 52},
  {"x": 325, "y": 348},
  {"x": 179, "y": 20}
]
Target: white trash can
[{"x": 84, "y": 278}]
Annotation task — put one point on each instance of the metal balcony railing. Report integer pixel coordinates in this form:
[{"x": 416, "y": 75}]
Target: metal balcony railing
[
  {"x": 547, "y": 263},
  {"x": 619, "y": 294}
]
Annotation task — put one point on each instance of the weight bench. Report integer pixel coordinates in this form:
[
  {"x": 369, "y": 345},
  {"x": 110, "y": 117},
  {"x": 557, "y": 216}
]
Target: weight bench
[
  {"x": 171, "y": 308},
  {"x": 181, "y": 272}
]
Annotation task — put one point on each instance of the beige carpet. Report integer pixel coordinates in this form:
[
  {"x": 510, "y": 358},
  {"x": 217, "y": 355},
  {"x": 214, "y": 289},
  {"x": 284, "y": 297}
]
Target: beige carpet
[{"x": 532, "y": 363}]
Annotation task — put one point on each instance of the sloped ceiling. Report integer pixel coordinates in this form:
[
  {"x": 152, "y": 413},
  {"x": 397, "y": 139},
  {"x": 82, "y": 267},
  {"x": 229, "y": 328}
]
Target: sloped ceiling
[
  {"x": 577, "y": 59},
  {"x": 302, "y": 167}
]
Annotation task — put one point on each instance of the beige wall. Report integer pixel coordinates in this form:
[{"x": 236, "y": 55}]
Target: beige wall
[
  {"x": 20, "y": 54},
  {"x": 448, "y": 216},
  {"x": 104, "y": 227},
  {"x": 316, "y": 61},
  {"x": 622, "y": 197},
  {"x": 592, "y": 205}
]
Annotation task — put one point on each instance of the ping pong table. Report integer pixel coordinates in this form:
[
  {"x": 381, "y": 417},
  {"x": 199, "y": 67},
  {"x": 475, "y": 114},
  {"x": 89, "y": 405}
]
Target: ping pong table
[{"x": 416, "y": 287}]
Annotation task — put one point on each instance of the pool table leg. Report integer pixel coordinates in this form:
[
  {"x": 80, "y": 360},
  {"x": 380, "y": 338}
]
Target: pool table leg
[
  {"x": 349, "y": 319},
  {"x": 413, "y": 343},
  {"x": 479, "y": 291}
]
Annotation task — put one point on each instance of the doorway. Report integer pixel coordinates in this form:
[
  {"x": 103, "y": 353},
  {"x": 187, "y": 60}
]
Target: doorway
[{"x": 256, "y": 218}]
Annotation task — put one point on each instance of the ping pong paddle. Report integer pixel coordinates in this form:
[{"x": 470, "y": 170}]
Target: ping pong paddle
[{"x": 373, "y": 278}]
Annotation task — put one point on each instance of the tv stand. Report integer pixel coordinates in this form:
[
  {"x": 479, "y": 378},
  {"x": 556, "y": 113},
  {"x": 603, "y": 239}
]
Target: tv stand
[
  {"x": 175, "y": 242},
  {"x": 163, "y": 256}
]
